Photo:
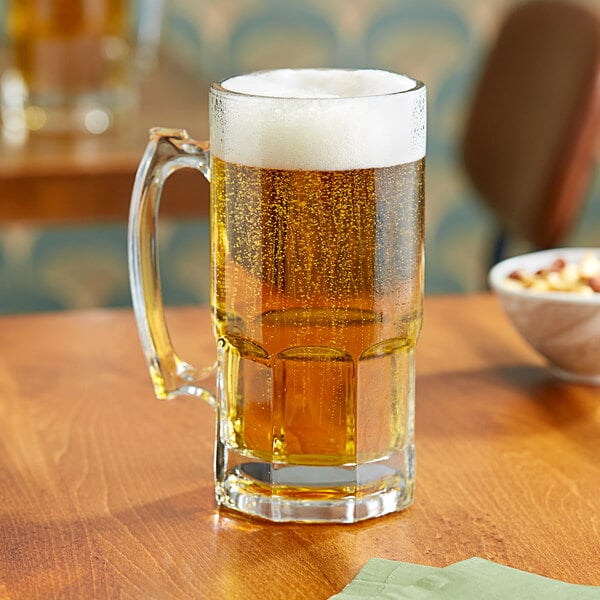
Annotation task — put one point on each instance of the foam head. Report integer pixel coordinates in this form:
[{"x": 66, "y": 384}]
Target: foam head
[{"x": 321, "y": 119}]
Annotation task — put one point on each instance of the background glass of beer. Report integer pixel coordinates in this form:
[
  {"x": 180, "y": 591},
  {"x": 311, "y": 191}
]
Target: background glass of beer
[
  {"x": 317, "y": 206},
  {"x": 76, "y": 63}
]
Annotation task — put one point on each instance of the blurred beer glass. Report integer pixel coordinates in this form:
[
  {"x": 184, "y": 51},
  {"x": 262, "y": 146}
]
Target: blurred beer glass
[{"x": 76, "y": 64}]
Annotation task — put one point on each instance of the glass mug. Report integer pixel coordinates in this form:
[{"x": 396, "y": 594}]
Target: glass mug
[
  {"x": 76, "y": 64},
  {"x": 317, "y": 202}
]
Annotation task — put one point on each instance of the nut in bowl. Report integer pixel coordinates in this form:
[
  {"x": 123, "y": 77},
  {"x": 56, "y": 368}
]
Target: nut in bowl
[{"x": 552, "y": 298}]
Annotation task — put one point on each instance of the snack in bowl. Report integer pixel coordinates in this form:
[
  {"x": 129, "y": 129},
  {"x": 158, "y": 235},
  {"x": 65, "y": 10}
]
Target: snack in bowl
[
  {"x": 581, "y": 277},
  {"x": 552, "y": 298}
]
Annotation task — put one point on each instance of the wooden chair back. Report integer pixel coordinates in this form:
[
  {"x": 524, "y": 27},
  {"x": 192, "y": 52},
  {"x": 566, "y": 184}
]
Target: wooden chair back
[{"x": 530, "y": 137}]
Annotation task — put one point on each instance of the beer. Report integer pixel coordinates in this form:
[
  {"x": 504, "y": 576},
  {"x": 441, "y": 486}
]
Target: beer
[
  {"x": 317, "y": 279},
  {"x": 76, "y": 64},
  {"x": 69, "y": 47},
  {"x": 318, "y": 258}
]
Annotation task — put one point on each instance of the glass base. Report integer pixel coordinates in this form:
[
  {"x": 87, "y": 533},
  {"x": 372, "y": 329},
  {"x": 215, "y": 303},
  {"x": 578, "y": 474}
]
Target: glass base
[
  {"x": 24, "y": 113},
  {"x": 317, "y": 494}
]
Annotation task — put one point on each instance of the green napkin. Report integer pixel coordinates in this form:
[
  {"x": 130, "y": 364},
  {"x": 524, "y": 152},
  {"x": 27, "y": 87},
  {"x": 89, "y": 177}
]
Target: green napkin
[{"x": 473, "y": 578}]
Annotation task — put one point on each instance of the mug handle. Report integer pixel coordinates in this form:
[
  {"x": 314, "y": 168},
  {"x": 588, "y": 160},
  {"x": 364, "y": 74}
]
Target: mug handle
[{"x": 168, "y": 151}]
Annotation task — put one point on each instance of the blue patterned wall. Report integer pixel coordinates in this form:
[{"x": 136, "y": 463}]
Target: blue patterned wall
[{"x": 439, "y": 41}]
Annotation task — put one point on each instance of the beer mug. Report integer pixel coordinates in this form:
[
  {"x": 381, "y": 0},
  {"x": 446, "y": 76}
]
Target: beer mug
[
  {"x": 76, "y": 64},
  {"x": 317, "y": 202}
]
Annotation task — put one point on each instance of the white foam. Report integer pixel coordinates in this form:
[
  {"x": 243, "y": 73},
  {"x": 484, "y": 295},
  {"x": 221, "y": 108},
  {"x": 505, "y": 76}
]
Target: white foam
[
  {"x": 319, "y": 83},
  {"x": 325, "y": 119}
]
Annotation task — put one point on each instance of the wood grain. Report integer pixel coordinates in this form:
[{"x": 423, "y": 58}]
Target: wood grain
[{"x": 107, "y": 493}]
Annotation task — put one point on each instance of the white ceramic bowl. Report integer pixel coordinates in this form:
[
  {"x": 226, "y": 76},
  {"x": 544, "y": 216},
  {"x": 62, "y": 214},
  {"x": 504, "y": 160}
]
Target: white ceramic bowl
[{"x": 564, "y": 327}]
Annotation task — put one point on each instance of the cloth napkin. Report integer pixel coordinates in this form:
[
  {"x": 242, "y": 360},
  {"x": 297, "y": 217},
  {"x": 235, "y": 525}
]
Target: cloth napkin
[{"x": 476, "y": 578}]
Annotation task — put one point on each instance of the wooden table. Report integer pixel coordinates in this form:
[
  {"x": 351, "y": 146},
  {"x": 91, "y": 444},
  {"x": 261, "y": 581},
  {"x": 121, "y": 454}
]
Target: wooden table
[
  {"x": 106, "y": 492},
  {"x": 88, "y": 178}
]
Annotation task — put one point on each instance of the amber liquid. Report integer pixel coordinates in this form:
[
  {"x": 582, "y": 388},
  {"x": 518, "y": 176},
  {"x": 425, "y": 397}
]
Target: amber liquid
[
  {"x": 69, "y": 47},
  {"x": 317, "y": 308}
]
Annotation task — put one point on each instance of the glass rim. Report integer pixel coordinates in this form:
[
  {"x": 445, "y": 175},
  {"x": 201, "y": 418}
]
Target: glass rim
[{"x": 218, "y": 87}]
